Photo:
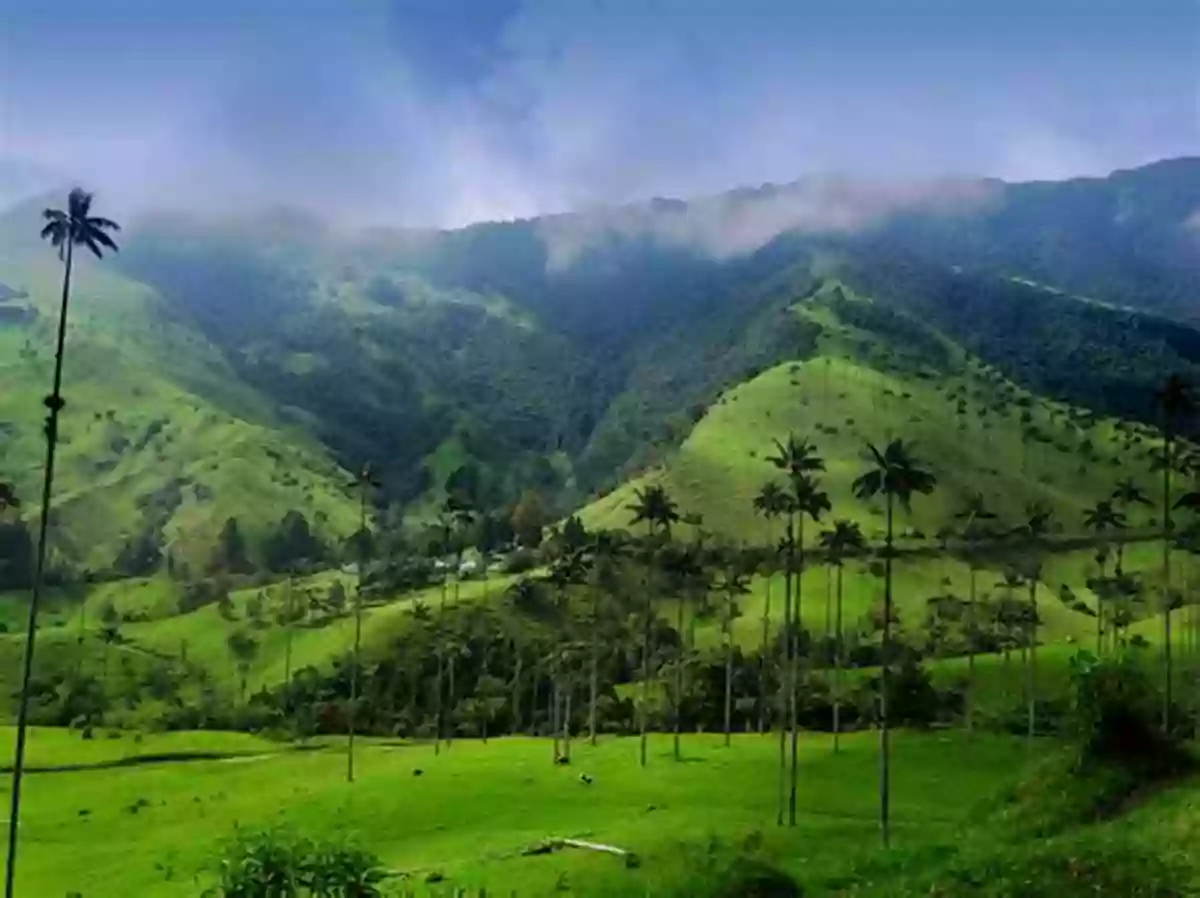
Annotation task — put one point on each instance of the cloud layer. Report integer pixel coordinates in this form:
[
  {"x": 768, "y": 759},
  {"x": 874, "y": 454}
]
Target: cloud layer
[{"x": 447, "y": 111}]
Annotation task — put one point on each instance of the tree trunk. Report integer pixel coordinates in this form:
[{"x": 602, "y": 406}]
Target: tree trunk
[
  {"x": 593, "y": 669},
  {"x": 785, "y": 671},
  {"x": 762, "y": 660},
  {"x": 1031, "y": 671},
  {"x": 555, "y": 731},
  {"x": 358, "y": 601},
  {"x": 728, "y": 668},
  {"x": 438, "y": 707},
  {"x": 837, "y": 666},
  {"x": 885, "y": 683},
  {"x": 796, "y": 634},
  {"x": 972, "y": 635},
  {"x": 38, "y": 578},
  {"x": 451, "y": 698},
  {"x": 678, "y": 710},
  {"x": 566, "y": 720},
  {"x": 645, "y": 709},
  {"x": 516, "y": 690},
  {"x": 287, "y": 635},
  {"x": 487, "y": 708},
  {"x": 1166, "y": 563}
]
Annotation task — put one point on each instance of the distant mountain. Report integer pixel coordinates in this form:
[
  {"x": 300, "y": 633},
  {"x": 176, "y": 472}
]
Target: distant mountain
[{"x": 570, "y": 352}]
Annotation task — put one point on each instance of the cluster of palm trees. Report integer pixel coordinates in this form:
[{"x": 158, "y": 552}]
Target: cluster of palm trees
[{"x": 895, "y": 474}]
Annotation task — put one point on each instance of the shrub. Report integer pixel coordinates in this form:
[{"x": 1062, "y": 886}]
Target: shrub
[{"x": 277, "y": 864}]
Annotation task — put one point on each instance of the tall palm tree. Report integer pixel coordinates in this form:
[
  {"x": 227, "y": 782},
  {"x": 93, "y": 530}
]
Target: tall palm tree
[
  {"x": 1102, "y": 519},
  {"x": 1177, "y": 403},
  {"x": 1038, "y": 519},
  {"x": 771, "y": 502},
  {"x": 363, "y": 483},
  {"x": 76, "y": 226},
  {"x": 896, "y": 474},
  {"x": 1125, "y": 495},
  {"x": 734, "y": 582},
  {"x": 974, "y": 516},
  {"x": 797, "y": 459},
  {"x": 811, "y": 501},
  {"x": 841, "y": 541},
  {"x": 607, "y": 553},
  {"x": 653, "y": 507}
]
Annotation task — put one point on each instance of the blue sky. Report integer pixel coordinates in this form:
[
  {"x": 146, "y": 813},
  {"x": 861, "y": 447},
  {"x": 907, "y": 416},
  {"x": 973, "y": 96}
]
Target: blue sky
[{"x": 446, "y": 111}]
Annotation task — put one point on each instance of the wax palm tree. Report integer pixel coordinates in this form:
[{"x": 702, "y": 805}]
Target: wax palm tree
[
  {"x": 653, "y": 507},
  {"x": 974, "y": 516},
  {"x": 771, "y": 502},
  {"x": 364, "y": 482},
  {"x": 1125, "y": 495},
  {"x": 1177, "y": 403},
  {"x": 896, "y": 474},
  {"x": 841, "y": 541},
  {"x": 734, "y": 582},
  {"x": 76, "y": 226},
  {"x": 811, "y": 502},
  {"x": 1038, "y": 520},
  {"x": 1102, "y": 519},
  {"x": 797, "y": 459}
]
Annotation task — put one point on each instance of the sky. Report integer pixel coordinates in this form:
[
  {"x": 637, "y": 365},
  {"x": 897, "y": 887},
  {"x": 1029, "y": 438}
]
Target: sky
[{"x": 442, "y": 112}]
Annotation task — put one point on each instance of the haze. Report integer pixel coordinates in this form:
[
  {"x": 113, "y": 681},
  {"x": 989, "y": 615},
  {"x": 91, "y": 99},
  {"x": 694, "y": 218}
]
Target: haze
[{"x": 442, "y": 112}]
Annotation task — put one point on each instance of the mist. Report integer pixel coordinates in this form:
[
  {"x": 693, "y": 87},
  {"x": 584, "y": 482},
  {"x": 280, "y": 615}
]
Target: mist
[{"x": 443, "y": 112}]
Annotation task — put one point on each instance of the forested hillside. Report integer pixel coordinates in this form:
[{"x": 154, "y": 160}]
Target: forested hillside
[{"x": 557, "y": 356}]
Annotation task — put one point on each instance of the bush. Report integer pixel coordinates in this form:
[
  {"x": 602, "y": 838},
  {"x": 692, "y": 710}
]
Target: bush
[
  {"x": 1115, "y": 716},
  {"x": 276, "y": 864}
]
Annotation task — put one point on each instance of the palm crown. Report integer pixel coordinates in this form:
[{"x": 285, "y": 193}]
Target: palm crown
[
  {"x": 842, "y": 539},
  {"x": 77, "y": 227},
  {"x": 653, "y": 506},
  {"x": 896, "y": 473},
  {"x": 796, "y": 457}
]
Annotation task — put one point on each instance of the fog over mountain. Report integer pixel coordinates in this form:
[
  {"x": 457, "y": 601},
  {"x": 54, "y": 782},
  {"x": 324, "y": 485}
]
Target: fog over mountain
[{"x": 443, "y": 112}]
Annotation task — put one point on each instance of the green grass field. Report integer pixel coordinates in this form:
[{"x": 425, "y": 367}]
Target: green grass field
[{"x": 476, "y": 807}]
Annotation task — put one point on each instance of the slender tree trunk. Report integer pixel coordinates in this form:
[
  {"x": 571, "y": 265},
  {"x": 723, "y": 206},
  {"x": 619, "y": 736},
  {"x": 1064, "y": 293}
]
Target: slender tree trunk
[
  {"x": 38, "y": 578},
  {"x": 593, "y": 671},
  {"x": 287, "y": 635},
  {"x": 785, "y": 672},
  {"x": 728, "y": 667},
  {"x": 554, "y": 724},
  {"x": 358, "y": 602},
  {"x": 795, "y": 678},
  {"x": 486, "y": 706},
  {"x": 451, "y": 696},
  {"x": 971, "y": 637},
  {"x": 1031, "y": 670},
  {"x": 762, "y": 660},
  {"x": 566, "y": 721},
  {"x": 516, "y": 689},
  {"x": 678, "y": 710},
  {"x": 837, "y": 667},
  {"x": 648, "y": 610},
  {"x": 828, "y": 599},
  {"x": 438, "y": 707},
  {"x": 885, "y": 684},
  {"x": 1168, "y": 445}
]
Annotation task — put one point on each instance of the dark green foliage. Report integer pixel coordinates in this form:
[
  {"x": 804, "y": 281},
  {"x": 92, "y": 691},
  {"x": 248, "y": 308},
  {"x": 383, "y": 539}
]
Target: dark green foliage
[
  {"x": 279, "y": 864},
  {"x": 1114, "y": 717},
  {"x": 16, "y": 554},
  {"x": 230, "y": 555},
  {"x": 292, "y": 545}
]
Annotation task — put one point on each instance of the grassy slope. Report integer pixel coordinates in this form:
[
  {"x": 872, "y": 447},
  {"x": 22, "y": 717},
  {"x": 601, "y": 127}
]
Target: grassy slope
[
  {"x": 721, "y": 466},
  {"x": 516, "y": 798},
  {"x": 127, "y": 370}
]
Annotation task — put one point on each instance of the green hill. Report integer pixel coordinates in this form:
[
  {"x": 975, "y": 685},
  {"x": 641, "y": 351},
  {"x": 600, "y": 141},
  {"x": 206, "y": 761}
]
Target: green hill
[
  {"x": 160, "y": 440},
  {"x": 977, "y": 431}
]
